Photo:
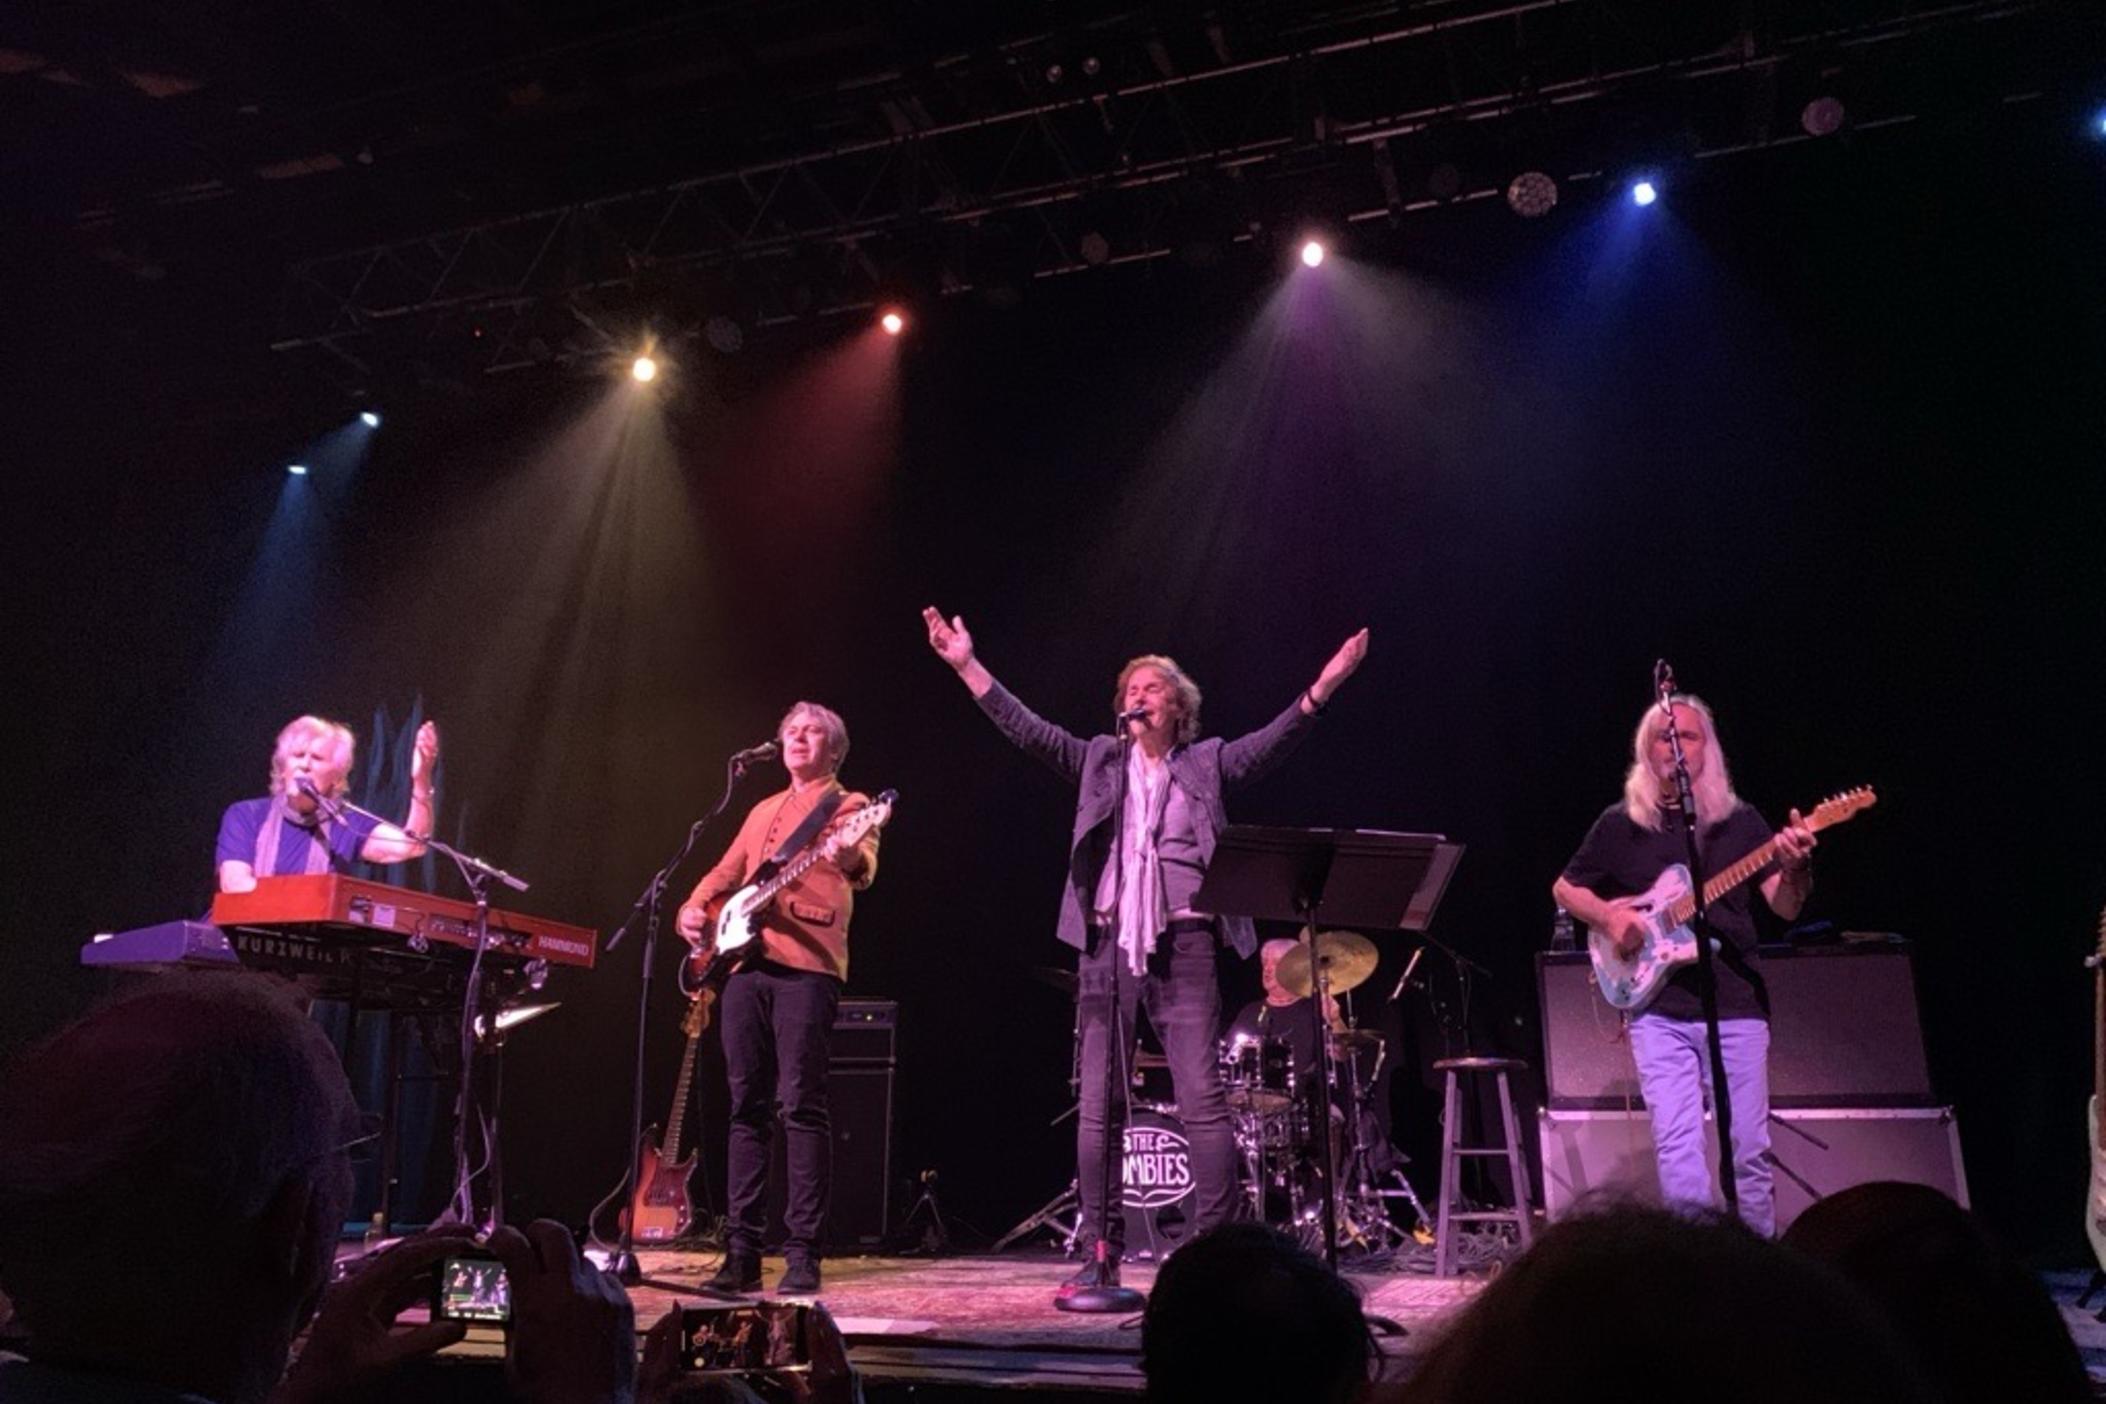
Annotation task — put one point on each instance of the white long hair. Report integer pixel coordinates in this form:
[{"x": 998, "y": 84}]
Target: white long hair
[{"x": 1643, "y": 791}]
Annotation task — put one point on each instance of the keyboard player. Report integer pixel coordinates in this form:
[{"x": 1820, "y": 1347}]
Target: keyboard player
[{"x": 288, "y": 832}]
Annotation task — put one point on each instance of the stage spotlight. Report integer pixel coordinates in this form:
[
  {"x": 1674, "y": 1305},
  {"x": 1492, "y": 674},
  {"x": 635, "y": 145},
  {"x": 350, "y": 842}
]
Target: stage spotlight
[
  {"x": 369, "y": 419},
  {"x": 1531, "y": 194},
  {"x": 1643, "y": 192},
  {"x": 1312, "y": 253},
  {"x": 1823, "y": 116},
  {"x": 724, "y": 334},
  {"x": 893, "y": 322},
  {"x": 644, "y": 368},
  {"x": 298, "y": 470},
  {"x": 2098, "y": 124}
]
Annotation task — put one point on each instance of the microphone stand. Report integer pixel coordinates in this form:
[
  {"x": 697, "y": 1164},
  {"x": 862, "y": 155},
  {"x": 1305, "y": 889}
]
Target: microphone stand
[
  {"x": 478, "y": 874},
  {"x": 1107, "y": 1296},
  {"x": 1707, "y": 975},
  {"x": 622, "y": 1261}
]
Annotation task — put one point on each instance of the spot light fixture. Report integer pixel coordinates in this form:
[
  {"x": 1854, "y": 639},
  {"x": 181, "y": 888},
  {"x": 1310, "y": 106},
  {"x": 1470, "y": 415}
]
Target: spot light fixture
[
  {"x": 1532, "y": 194},
  {"x": 893, "y": 321},
  {"x": 644, "y": 368},
  {"x": 1312, "y": 253}
]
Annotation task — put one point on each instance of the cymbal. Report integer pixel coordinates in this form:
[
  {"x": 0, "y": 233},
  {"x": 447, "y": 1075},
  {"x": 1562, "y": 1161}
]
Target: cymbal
[
  {"x": 1349, "y": 959},
  {"x": 1358, "y": 1038}
]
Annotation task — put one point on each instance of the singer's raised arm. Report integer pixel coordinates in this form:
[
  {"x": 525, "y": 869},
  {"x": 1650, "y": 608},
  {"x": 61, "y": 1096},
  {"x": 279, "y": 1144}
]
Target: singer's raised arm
[{"x": 1060, "y": 749}]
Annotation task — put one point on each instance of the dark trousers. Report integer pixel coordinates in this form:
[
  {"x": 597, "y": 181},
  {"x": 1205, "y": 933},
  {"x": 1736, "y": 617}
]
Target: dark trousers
[
  {"x": 1183, "y": 998},
  {"x": 778, "y": 1023}
]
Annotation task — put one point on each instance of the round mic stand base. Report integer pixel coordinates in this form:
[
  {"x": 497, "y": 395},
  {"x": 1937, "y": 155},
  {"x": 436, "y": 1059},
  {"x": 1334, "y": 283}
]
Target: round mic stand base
[{"x": 1099, "y": 1300}]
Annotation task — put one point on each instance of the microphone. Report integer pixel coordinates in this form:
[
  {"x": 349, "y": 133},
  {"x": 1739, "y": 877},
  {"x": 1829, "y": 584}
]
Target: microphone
[
  {"x": 306, "y": 788},
  {"x": 766, "y": 750},
  {"x": 1663, "y": 680},
  {"x": 1131, "y": 714},
  {"x": 1405, "y": 978}
]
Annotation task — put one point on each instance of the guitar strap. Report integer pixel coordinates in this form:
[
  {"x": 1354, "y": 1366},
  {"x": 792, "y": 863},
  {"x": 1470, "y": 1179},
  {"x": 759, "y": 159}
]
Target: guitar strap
[{"x": 809, "y": 829}]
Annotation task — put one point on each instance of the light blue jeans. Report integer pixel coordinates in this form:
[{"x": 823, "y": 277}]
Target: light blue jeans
[{"x": 1674, "y": 1074}]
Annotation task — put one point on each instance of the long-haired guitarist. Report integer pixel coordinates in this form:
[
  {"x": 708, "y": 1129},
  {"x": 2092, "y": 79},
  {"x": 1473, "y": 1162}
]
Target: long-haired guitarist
[
  {"x": 778, "y": 1008},
  {"x": 1630, "y": 846}
]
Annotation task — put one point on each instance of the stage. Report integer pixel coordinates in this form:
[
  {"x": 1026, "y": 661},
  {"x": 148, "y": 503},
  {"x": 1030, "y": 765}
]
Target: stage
[{"x": 980, "y": 1323}]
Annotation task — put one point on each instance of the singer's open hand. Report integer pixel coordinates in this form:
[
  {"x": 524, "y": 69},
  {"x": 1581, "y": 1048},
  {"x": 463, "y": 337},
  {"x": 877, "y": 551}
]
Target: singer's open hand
[
  {"x": 952, "y": 641},
  {"x": 1343, "y": 664}
]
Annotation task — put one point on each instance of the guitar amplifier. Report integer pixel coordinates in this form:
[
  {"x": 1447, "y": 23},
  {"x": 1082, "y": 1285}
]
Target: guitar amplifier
[
  {"x": 1608, "y": 1155},
  {"x": 1844, "y": 1030},
  {"x": 859, "y": 1097}
]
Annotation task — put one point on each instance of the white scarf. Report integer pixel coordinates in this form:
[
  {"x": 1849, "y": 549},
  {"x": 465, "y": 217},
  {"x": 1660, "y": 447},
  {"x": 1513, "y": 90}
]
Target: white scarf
[{"x": 1143, "y": 911}]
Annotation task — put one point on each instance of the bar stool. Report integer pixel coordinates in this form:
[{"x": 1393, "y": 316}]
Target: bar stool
[{"x": 1452, "y": 1158}]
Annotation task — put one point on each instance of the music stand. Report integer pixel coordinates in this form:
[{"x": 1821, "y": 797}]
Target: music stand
[{"x": 1355, "y": 877}]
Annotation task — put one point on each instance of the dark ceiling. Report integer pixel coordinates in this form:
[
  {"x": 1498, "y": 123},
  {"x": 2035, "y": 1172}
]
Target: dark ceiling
[{"x": 489, "y": 185}]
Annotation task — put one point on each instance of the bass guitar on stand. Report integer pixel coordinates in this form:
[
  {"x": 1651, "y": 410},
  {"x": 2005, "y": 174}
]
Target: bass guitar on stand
[{"x": 1629, "y": 982}]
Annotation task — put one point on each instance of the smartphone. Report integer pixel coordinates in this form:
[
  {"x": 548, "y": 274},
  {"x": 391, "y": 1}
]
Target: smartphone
[
  {"x": 752, "y": 1336},
  {"x": 472, "y": 1287}
]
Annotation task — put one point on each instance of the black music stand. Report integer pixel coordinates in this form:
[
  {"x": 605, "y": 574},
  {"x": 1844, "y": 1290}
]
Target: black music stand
[{"x": 1367, "y": 878}]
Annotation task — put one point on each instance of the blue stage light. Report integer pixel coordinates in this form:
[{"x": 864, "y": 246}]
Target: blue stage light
[
  {"x": 298, "y": 470},
  {"x": 1643, "y": 192},
  {"x": 369, "y": 419}
]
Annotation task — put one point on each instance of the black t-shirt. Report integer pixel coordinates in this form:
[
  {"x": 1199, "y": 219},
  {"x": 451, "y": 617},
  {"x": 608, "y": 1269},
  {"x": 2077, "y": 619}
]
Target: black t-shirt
[{"x": 1621, "y": 859}]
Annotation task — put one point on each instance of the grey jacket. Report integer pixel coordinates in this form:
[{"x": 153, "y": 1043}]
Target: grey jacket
[{"x": 1203, "y": 769}]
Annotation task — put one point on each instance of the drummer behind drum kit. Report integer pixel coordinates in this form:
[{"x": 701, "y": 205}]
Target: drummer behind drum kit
[
  {"x": 1275, "y": 1116},
  {"x": 1274, "y": 1113}
]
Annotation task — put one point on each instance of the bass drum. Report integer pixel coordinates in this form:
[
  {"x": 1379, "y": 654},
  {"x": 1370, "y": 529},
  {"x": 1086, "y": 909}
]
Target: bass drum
[{"x": 1158, "y": 1190}]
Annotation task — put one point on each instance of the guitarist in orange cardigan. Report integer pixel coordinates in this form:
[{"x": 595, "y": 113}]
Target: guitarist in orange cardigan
[
  {"x": 777, "y": 1010},
  {"x": 1629, "y": 846}
]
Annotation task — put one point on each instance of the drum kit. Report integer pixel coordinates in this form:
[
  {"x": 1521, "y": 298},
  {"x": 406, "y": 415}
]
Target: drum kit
[
  {"x": 1276, "y": 1115},
  {"x": 1274, "y": 1111}
]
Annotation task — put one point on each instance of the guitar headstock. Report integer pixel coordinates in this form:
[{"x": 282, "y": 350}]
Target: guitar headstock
[
  {"x": 1838, "y": 808},
  {"x": 698, "y": 1012},
  {"x": 873, "y": 815}
]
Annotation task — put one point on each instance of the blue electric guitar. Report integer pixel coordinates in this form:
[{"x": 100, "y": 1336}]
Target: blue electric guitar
[{"x": 1630, "y": 981}]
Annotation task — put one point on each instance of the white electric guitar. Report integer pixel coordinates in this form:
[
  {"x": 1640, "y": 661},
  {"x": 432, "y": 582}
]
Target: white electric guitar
[
  {"x": 734, "y": 920},
  {"x": 1629, "y": 982}
]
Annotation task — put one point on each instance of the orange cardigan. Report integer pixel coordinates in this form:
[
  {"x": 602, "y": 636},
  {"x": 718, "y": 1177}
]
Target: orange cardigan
[{"x": 806, "y": 927}]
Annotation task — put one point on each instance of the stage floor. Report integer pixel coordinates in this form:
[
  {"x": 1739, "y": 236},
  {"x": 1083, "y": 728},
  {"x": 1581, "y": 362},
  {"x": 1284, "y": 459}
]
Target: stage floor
[{"x": 988, "y": 1321}]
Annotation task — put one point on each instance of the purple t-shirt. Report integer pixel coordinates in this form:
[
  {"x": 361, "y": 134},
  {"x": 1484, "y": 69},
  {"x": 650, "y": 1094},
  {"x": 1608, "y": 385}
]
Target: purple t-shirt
[{"x": 243, "y": 821}]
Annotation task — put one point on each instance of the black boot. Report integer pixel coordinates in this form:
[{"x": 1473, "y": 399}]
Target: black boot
[
  {"x": 740, "y": 1273},
  {"x": 1093, "y": 1274},
  {"x": 800, "y": 1279}
]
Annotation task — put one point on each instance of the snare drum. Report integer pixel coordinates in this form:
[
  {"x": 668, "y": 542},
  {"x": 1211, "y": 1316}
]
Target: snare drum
[{"x": 1258, "y": 1073}]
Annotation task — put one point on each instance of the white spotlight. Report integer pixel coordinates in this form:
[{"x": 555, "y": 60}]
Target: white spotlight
[
  {"x": 1531, "y": 194},
  {"x": 1312, "y": 253},
  {"x": 644, "y": 368},
  {"x": 298, "y": 470},
  {"x": 1643, "y": 193},
  {"x": 892, "y": 322},
  {"x": 369, "y": 419}
]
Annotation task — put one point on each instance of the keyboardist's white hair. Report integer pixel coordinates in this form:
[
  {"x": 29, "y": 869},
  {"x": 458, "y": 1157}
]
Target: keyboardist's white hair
[{"x": 297, "y": 732}]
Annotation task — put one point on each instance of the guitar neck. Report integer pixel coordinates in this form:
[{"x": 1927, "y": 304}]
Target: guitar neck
[
  {"x": 2098, "y": 1049},
  {"x": 1724, "y": 882},
  {"x": 669, "y": 1152}
]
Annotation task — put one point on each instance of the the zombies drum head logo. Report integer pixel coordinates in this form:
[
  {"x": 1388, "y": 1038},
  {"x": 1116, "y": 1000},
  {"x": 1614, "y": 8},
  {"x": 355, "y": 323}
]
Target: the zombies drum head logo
[{"x": 1158, "y": 1169}]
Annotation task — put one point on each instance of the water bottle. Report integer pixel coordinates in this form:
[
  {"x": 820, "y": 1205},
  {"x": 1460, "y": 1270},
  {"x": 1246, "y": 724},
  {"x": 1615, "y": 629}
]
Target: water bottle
[{"x": 1562, "y": 936}]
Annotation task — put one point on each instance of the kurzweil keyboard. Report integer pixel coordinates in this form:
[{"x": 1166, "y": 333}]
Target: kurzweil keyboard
[{"x": 348, "y": 938}]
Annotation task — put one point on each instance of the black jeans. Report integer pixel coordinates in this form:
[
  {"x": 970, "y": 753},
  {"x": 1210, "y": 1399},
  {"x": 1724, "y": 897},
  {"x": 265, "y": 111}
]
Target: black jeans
[
  {"x": 778, "y": 1024},
  {"x": 1183, "y": 998}
]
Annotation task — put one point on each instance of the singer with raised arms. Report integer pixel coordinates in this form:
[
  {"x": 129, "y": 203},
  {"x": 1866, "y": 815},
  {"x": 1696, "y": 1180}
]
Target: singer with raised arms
[
  {"x": 1630, "y": 845},
  {"x": 1147, "y": 813},
  {"x": 778, "y": 1009},
  {"x": 298, "y": 829}
]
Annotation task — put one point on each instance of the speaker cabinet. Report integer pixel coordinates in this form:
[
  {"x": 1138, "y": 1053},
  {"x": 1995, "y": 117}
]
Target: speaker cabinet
[
  {"x": 1844, "y": 1030},
  {"x": 859, "y": 1093},
  {"x": 1818, "y": 1150}
]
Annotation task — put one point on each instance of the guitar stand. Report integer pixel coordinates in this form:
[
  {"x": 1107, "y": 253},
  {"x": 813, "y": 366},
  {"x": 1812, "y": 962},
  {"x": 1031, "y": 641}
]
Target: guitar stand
[{"x": 1068, "y": 1201}]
